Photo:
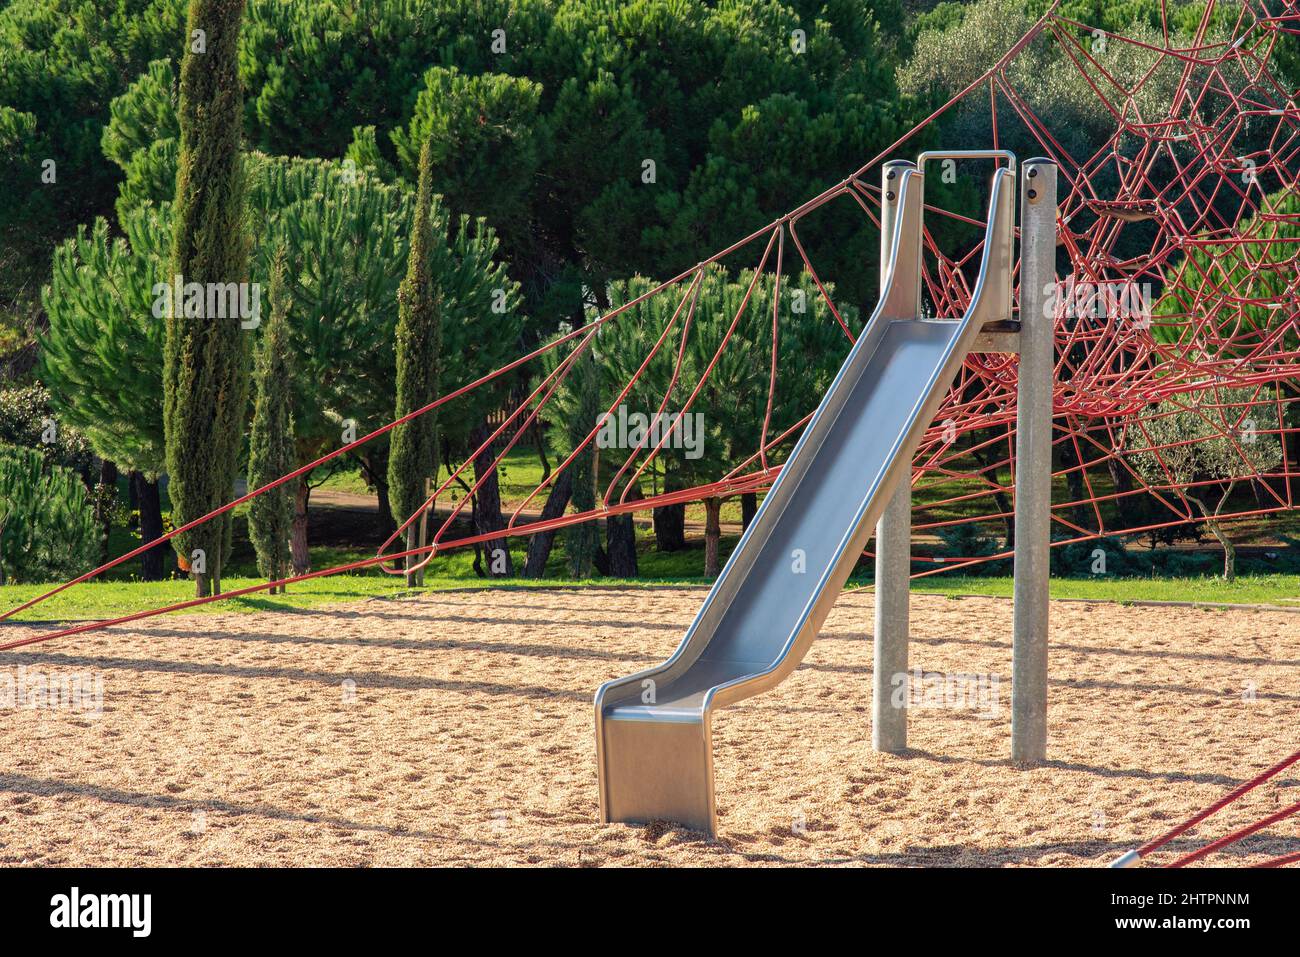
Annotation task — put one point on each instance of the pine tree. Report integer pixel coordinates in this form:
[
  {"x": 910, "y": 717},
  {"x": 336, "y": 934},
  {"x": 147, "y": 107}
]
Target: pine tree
[
  {"x": 414, "y": 457},
  {"x": 810, "y": 344},
  {"x": 47, "y": 528},
  {"x": 343, "y": 308},
  {"x": 582, "y": 542},
  {"x": 101, "y": 356},
  {"x": 205, "y": 359},
  {"x": 271, "y": 438}
]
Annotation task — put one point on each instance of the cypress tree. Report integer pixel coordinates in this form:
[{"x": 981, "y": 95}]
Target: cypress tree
[
  {"x": 414, "y": 453},
  {"x": 271, "y": 438},
  {"x": 205, "y": 358}
]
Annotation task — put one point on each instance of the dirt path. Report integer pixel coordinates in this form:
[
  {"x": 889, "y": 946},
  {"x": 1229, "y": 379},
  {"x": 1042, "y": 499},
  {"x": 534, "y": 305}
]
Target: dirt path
[{"x": 457, "y": 728}]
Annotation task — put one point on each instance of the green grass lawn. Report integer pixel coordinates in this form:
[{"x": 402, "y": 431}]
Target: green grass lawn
[
  {"x": 1248, "y": 590},
  {"x": 110, "y": 599},
  {"x": 120, "y": 593},
  {"x": 346, "y": 478},
  {"x": 113, "y": 598}
]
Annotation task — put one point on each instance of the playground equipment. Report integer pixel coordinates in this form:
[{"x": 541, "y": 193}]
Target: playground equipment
[
  {"x": 1134, "y": 858},
  {"x": 654, "y": 728},
  {"x": 1181, "y": 194}
]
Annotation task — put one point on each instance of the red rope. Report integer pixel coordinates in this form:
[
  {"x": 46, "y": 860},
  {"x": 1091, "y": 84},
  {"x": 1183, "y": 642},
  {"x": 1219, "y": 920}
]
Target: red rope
[
  {"x": 1282, "y": 861},
  {"x": 1218, "y": 805},
  {"x": 1236, "y": 836}
]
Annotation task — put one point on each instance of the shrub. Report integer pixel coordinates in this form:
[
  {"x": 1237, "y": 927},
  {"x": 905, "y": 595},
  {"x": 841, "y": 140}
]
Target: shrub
[
  {"x": 1077, "y": 560},
  {"x": 47, "y": 528},
  {"x": 967, "y": 541},
  {"x": 1175, "y": 564},
  {"x": 26, "y": 419}
]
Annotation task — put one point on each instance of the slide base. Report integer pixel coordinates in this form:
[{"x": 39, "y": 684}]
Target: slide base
[{"x": 657, "y": 771}]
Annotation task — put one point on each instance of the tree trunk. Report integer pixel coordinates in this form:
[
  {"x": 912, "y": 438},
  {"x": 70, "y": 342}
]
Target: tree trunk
[
  {"x": 1229, "y": 550},
  {"x": 478, "y": 546},
  {"x": 1004, "y": 505},
  {"x": 424, "y": 536},
  {"x": 1079, "y": 513},
  {"x": 539, "y": 442},
  {"x": 375, "y": 468},
  {"x": 712, "y": 534},
  {"x": 488, "y": 510},
  {"x": 227, "y": 543},
  {"x": 149, "y": 501},
  {"x": 105, "y": 496},
  {"x": 748, "y": 509},
  {"x": 1123, "y": 480},
  {"x": 620, "y": 542},
  {"x": 539, "y": 545},
  {"x": 670, "y": 527},
  {"x": 299, "y": 553},
  {"x": 386, "y": 523},
  {"x": 411, "y": 541},
  {"x": 1229, "y": 553},
  {"x": 670, "y": 523}
]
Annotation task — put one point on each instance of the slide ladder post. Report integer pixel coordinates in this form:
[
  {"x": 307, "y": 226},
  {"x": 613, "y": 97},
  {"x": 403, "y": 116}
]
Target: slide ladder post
[
  {"x": 1034, "y": 462},
  {"x": 893, "y": 546}
]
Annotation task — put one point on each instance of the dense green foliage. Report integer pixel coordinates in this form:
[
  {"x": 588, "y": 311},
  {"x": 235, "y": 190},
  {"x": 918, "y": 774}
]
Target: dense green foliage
[
  {"x": 61, "y": 64},
  {"x": 727, "y": 417},
  {"x": 47, "y": 529},
  {"x": 28, "y": 419},
  {"x": 573, "y": 147},
  {"x": 413, "y": 459},
  {"x": 1214, "y": 276},
  {"x": 1203, "y": 445},
  {"x": 542, "y": 114},
  {"x": 102, "y": 354},
  {"x": 579, "y": 416},
  {"x": 271, "y": 436},
  {"x": 810, "y": 347},
  {"x": 205, "y": 357}
]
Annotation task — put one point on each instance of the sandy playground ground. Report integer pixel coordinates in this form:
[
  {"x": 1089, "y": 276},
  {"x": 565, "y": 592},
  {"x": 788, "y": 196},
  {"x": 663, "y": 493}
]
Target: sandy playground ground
[{"x": 456, "y": 728}]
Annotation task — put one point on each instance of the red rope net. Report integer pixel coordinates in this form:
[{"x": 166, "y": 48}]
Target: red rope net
[
  {"x": 1240, "y": 833},
  {"x": 1177, "y": 326}
]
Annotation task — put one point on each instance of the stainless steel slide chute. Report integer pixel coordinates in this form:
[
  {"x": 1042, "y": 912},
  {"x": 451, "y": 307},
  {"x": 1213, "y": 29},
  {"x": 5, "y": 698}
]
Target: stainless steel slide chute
[{"x": 653, "y": 728}]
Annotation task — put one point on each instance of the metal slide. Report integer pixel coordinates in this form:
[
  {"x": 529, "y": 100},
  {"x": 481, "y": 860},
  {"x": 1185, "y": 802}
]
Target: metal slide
[{"x": 653, "y": 729}]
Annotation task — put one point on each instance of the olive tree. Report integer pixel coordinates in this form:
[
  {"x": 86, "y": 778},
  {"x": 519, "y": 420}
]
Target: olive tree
[{"x": 1203, "y": 446}]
